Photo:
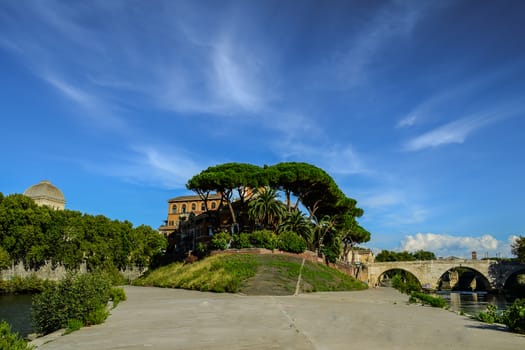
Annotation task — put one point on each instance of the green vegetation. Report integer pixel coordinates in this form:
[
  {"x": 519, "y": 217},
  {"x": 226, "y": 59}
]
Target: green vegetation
[
  {"x": 220, "y": 273},
  {"x": 250, "y": 274},
  {"x": 404, "y": 281},
  {"x": 73, "y": 325},
  {"x": 117, "y": 295},
  {"x": 81, "y": 297},
  {"x": 388, "y": 255},
  {"x": 23, "y": 285},
  {"x": 518, "y": 248},
  {"x": 5, "y": 259},
  {"x": 36, "y": 235},
  {"x": 264, "y": 239},
  {"x": 220, "y": 241},
  {"x": 513, "y": 317},
  {"x": 425, "y": 299},
  {"x": 10, "y": 340},
  {"x": 310, "y": 187},
  {"x": 290, "y": 241}
]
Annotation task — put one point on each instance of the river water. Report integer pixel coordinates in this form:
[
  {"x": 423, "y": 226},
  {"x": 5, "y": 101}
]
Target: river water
[
  {"x": 16, "y": 310},
  {"x": 472, "y": 302}
]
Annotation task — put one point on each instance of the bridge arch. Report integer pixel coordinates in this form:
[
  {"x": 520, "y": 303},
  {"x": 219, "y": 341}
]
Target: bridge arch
[
  {"x": 430, "y": 272},
  {"x": 514, "y": 283},
  {"x": 464, "y": 278},
  {"x": 379, "y": 277}
]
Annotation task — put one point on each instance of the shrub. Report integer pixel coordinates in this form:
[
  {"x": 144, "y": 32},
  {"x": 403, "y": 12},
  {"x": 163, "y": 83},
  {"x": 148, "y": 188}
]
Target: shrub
[
  {"x": 426, "y": 299},
  {"x": 201, "y": 250},
  {"x": 97, "y": 316},
  {"x": 264, "y": 239},
  {"x": 514, "y": 316},
  {"x": 221, "y": 240},
  {"x": 23, "y": 285},
  {"x": 73, "y": 325},
  {"x": 117, "y": 295},
  {"x": 75, "y": 297},
  {"x": 242, "y": 240},
  {"x": 405, "y": 283},
  {"x": 291, "y": 242},
  {"x": 491, "y": 315},
  {"x": 11, "y": 340}
]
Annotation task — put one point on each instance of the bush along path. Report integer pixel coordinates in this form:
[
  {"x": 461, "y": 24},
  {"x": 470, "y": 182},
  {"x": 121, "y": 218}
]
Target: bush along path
[
  {"x": 513, "y": 317},
  {"x": 78, "y": 300}
]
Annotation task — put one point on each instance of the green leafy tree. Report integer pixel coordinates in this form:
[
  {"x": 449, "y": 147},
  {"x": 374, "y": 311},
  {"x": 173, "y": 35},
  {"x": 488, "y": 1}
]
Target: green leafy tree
[
  {"x": 226, "y": 179},
  {"x": 5, "y": 259},
  {"x": 518, "y": 248},
  {"x": 424, "y": 255}
]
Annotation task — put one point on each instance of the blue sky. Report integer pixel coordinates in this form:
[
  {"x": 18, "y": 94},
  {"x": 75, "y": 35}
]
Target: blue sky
[{"x": 416, "y": 108}]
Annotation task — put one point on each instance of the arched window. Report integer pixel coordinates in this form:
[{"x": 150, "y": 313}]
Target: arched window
[
  {"x": 174, "y": 208},
  {"x": 203, "y": 208},
  {"x": 193, "y": 206},
  {"x": 184, "y": 209},
  {"x": 213, "y": 205}
]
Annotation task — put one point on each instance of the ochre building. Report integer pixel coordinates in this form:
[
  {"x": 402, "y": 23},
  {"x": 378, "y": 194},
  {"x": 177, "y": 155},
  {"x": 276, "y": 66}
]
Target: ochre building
[{"x": 180, "y": 209}]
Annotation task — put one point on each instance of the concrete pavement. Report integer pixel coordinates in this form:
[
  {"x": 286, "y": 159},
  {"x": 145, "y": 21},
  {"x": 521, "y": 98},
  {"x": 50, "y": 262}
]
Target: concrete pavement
[{"x": 373, "y": 319}]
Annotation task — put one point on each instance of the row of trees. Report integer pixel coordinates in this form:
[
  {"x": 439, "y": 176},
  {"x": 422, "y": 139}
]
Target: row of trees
[
  {"x": 388, "y": 255},
  {"x": 35, "y": 235},
  {"x": 253, "y": 194}
]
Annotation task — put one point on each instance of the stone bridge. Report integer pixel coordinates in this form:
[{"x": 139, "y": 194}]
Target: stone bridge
[{"x": 430, "y": 272}]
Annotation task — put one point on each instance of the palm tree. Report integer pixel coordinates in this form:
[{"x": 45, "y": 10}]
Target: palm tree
[
  {"x": 266, "y": 208},
  {"x": 296, "y": 221}
]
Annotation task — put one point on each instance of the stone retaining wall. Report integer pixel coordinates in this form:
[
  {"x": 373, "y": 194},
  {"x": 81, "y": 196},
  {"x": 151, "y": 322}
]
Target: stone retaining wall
[{"x": 58, "y": 272}]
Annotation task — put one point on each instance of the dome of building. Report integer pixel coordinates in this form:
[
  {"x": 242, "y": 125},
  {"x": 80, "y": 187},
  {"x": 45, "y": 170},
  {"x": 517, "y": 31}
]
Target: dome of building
[{"x": 45, "y": 193}]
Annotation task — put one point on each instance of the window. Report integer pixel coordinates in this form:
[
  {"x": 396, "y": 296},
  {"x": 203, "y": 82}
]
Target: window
[
  {"x": 171, "y": 223},
  {"x": 193, "y": 206},
  {"x": 203, "y": 208},
  {"x": 184, "y": 209},
  {"x": 213, "y": 205},
  {"x": 174, "y": 208}
]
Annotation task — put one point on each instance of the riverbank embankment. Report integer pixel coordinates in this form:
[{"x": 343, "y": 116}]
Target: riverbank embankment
[{"x": 370, "y": 319}]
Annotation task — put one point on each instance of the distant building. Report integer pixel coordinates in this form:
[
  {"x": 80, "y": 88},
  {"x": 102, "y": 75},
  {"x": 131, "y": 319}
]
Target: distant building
[
  {"x": 361, "y": 256},
  {"x": 45, "y": 193},
  {"x": 181, "y": 208}
]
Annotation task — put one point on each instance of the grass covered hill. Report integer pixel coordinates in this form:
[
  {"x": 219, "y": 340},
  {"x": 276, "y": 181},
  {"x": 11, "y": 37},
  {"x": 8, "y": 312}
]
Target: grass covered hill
[{"x": 250, "y": 274}]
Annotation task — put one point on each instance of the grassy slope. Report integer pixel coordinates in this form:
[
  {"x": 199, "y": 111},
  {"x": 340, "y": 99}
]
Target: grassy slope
[{"x": 250, "y": 274}]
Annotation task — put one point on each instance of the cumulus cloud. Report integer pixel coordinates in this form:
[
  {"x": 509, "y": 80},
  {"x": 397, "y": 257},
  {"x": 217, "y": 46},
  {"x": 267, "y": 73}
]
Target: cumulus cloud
[{"x": 460, "y": 246}]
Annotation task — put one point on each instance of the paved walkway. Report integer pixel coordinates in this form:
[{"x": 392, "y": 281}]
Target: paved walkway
[{"x": 373, "y": 319}]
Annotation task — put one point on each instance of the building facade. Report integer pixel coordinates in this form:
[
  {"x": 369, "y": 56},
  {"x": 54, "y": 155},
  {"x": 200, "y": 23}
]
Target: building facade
[{"x": 180, "y": 209}]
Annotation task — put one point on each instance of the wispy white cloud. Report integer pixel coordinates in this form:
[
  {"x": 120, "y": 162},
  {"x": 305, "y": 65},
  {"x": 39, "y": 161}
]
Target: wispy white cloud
[
  {"x": 98, "y": 112},
  {"x": 334, "y": 158},
  {"x": 235, "y": 80},
  {"x": 453, "y": 132},
  {"x": 395, "y": 20},
  {"x": 381, "y": 200},
  {"x": 161, "y": 166},
  {"x": 460, "y": 246},
  {"x": 463, "y": 93},
  {"x": 457, "y": 131}
]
